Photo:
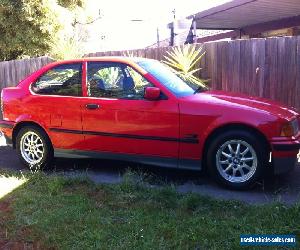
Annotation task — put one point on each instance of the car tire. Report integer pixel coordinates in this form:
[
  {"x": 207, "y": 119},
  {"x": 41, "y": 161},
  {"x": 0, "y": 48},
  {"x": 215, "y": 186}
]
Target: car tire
[
  {"x": 236, "y": 159},
  {"x": 34, "y": 148}
]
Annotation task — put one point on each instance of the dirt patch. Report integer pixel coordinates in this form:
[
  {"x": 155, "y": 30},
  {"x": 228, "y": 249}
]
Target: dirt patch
[
  {"x": 5, "y": 206},
  {"x": 5, "y": 215},
  {"x": 19, "y": 240},
  {"x": 76, "y": 189},
  {"x": 19, "y": 245},
  {"x": 99, "y": 196}
]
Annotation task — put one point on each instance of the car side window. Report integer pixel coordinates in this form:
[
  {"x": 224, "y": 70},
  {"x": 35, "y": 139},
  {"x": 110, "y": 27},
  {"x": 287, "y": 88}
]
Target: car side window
[
  {"x": 62, "y": 80},
  {"x": 115, "y": 80}
]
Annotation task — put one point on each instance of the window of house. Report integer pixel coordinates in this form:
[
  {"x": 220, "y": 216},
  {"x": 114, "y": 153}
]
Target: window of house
[
  {"x": 114, "y": 80},
  {"x": 62, "y": 80}
]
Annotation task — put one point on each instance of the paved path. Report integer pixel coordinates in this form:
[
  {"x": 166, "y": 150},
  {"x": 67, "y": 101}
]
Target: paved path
[{"x": 283, "y": 188}]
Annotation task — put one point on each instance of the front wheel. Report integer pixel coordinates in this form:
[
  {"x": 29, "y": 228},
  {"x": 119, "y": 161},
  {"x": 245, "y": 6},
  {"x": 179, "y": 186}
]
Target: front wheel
[
  {"x": 236, "y": 159},
  {"x": 34, "y": 148}
]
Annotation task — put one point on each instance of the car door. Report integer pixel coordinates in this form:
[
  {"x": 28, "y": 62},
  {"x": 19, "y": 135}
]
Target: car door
[
  {"x": 57, "y": 97},
  {"x": 117, "y": 118}
]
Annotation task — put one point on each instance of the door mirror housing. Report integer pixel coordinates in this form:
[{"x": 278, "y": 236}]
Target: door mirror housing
[{"x": 152, "y": 93}]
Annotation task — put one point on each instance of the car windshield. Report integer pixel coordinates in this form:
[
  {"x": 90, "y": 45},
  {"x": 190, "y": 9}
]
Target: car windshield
[{"x": 169, "y": 79}]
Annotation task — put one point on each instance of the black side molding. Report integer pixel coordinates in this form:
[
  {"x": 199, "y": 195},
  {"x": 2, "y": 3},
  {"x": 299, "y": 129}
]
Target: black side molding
[
  {"x": 68, "y": 131},
  {"x": 167, "y": 162},
  {"x": 193, "y": 140}
]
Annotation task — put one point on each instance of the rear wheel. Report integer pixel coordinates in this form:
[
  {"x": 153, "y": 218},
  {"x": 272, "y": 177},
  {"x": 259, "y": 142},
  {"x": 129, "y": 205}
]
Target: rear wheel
[
  {"x": 34, "y": 148},
  {"x": 236, "y": 159}
]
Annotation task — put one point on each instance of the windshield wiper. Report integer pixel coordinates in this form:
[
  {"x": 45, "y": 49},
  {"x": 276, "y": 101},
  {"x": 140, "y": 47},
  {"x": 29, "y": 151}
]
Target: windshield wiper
[{"x": 198, "y": 90}]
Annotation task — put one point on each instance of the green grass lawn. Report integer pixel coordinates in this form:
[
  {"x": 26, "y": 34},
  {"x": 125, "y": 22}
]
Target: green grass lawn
[{"x": 73, "y": 213}]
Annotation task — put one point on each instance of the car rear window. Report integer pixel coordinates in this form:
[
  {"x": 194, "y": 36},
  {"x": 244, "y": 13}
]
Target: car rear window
[{"x": 62, "y": 80}]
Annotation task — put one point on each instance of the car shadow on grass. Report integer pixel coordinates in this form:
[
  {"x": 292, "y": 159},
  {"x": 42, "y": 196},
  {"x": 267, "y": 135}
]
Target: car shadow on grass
[
  {"x": 278, "y": 188},
  {"x": 284, "y": 188}
]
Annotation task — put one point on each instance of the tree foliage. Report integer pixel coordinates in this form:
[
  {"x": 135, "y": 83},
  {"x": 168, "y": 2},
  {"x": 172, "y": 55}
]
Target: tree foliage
[
  {"x": 71, "y": 3},
  {"x": 30, "y": 27}
]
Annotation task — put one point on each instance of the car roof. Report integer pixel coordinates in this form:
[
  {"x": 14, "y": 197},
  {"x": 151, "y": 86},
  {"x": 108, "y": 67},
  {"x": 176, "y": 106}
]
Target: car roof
[
  {"x": 132, "y": 61},
  {"x": 121, "y": 59}
]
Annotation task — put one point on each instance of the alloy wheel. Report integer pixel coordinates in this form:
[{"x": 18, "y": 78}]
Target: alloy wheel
[
  {"x": 236, "y": 161},
  {"x": 32, "y": 148}
]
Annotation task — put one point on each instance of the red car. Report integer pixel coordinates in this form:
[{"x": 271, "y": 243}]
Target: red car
[{"x": 136, "y": 109}]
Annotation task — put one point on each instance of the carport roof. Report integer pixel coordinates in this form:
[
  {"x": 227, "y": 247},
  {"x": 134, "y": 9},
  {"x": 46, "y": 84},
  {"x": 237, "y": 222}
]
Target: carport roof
[{"x": 243, "y": 13}]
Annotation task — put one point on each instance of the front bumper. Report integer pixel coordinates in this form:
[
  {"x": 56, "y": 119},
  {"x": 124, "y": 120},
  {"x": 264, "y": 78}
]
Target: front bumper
[
  {"x": 284, "y": 154},
  {"x": 282, "y": 165},
  {"x": 294, "y": 146},
  {"x": 6, "y": 128}
]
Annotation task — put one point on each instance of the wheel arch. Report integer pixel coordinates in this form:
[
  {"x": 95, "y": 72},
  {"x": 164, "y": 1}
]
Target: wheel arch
[
  {"x": 234, "y": 126},
  {"x": 23, "y": 124}
]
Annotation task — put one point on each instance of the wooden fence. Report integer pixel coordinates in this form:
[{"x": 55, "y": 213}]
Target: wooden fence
[
  {"x": 261, "y": 67},
  {"x": 12, "y": 72}
]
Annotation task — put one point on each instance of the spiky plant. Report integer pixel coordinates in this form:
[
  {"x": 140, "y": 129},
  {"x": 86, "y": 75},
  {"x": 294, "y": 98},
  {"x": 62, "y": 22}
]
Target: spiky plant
[
  {"x": 183, "y": 61},
  {"x": 67, "y": 48}
]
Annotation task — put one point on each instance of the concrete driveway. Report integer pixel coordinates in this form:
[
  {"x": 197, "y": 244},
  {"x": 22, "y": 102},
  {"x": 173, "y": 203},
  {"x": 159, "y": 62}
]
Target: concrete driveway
[{"x": 285, "y": 188}]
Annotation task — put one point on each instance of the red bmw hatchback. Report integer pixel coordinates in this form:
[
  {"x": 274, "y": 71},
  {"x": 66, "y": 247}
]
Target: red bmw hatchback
[{"x": 136, "y": 109}]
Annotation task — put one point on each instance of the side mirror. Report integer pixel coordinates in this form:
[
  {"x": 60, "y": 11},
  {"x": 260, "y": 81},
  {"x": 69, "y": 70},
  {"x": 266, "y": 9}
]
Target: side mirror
[{"x": 152, "y": 93}]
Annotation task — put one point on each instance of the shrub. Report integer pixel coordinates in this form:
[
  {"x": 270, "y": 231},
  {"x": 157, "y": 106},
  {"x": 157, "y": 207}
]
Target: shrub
[{"x": 183, "y": 61}]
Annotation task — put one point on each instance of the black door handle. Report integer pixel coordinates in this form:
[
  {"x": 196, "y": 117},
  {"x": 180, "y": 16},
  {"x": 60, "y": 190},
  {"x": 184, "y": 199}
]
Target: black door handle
[{"x": 92, "y": 106}]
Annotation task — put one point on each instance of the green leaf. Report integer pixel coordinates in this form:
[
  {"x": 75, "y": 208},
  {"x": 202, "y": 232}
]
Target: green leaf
[{"x": 184, "y": 60}]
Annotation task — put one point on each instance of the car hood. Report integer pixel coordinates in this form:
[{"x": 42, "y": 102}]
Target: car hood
[{"x": 245, "y": 102}]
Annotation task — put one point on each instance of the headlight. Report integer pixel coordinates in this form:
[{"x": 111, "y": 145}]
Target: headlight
[{"x": 289, "y": 129}]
